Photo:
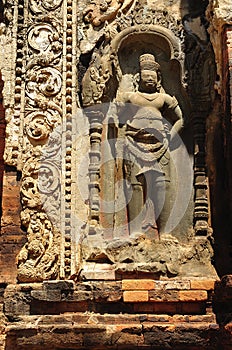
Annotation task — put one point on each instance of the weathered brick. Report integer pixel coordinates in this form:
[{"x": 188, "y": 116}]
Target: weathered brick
[
  {"x": 191, "y": 308},
  {"x": 122, "y": 338},
  {"x": 194, "y": 318},
  {"x": 96, "y": 339},
  {"x": 203, "y": 284},
  {"x": 161, "y": 296},
  {"x": 150, "y": 327},
  {"x": 99, "y": 275},
  {"x": 158, "y": 318},
  {"x": 193, "y": 295},
  {"x": 178, "y": 285},
  {"x": 81, "y": 296},
  {"x": 144, "y": 307},
  {"x": 136, "y": 296},
  {"x": 138, "y": 284},
  {"x": 166, "y": 307}
]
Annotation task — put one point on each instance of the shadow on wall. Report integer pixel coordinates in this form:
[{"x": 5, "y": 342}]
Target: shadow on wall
[
  {"x": 193, "y": 16},
  {"x": 1, "y": 11},
  {"x": 2, "y": 140}
]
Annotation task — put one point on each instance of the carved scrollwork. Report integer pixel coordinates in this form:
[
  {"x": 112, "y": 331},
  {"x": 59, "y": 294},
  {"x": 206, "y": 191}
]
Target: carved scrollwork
[
  {"x": 41, "y": 5},
  {"x": 44, "y": 80},
  {"x": 49, "y": 189},
  {"x": 34, "y": 75},
  {"x": 30, "y": 197},
  {"x": 43, "y": 86},
  {"x": 40, "y": 36},
  {"x": 40, "y": 178},
  {"x": 51, "y": 4},
  {"x": 43, "y": 36},
  {"x": 38, "y": 125},
  {"x": 48, "y": 178},
  {"x": 143, "y": 18},
  {"x": 52, "y": 150},
  {"x": 45, "y": 42}
]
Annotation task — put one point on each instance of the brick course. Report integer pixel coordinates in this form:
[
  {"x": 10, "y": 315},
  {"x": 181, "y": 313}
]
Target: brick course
[
  {"x": 135, "y": 296},
  {"x": 193, "y": 295},
  {"x": 138, "y": 284}
]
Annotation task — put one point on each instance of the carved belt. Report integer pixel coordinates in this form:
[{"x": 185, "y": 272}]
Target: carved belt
[
  {"x": 148, "y": 152},
  {"x": 149, "y": 136},
  {"x": 144, "y": 137}
]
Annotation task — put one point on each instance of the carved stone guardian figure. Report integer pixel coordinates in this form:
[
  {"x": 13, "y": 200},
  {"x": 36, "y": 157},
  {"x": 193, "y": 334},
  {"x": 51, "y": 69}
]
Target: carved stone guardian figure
[{"x": 149, "y": 132}]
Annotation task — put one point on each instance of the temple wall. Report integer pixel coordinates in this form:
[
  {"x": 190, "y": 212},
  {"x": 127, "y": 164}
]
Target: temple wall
[{"x": 97, "y": 251}]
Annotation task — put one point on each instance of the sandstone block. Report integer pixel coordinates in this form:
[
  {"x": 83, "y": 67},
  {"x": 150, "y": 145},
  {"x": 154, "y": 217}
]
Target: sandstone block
[
  {"x": 138, "y": 284},
  {"x": 193, "y": 295},
  {"x": 203, "y": 285},
  {"x": 136, "y": 296}
]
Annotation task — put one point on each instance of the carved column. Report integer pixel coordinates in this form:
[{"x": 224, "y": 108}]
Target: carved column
[
  {"x": 95, "y": 120},
  {"x": 201, "y": 208},
  {"x": 201, "y": 77}
]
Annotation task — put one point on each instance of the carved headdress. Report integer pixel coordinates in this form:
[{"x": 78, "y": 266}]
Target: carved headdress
[{"x": 147, "y": 62}]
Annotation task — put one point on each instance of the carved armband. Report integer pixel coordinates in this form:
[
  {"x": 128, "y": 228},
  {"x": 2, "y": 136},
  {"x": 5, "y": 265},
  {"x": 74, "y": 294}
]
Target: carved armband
[{"x": 174, "y": 103}]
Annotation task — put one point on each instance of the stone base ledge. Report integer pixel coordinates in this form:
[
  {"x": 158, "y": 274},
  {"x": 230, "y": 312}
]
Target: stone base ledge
[
  {"x": 95, "y": 331},
  {"x": 126, "y": 296}
]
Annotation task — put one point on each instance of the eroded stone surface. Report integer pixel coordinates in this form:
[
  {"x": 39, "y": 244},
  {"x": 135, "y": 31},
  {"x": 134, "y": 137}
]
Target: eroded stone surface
[{"x": 165, "y": 257}]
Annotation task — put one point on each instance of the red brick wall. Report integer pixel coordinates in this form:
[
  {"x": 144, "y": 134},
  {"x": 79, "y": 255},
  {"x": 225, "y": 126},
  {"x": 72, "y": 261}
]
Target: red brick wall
[{"x": 11, "y": 236}]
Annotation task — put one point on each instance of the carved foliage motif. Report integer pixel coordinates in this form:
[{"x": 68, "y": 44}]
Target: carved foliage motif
[
  {"x": 39, "y": 256},
  {"x": 100, "y": 11},
  {"x": 40, "y": 190},
  {"x": 127, "y": 13},
  {"x": 95, "y": 80},
  {"x": 159, "y": 17}
]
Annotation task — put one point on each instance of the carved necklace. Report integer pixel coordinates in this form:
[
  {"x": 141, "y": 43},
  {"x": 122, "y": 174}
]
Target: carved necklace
[{"x": 149, "y": 97}]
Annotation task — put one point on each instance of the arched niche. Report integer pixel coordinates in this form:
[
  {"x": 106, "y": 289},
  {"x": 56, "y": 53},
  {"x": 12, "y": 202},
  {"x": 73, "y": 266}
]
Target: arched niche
[{"x": 128, "y": 45}]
